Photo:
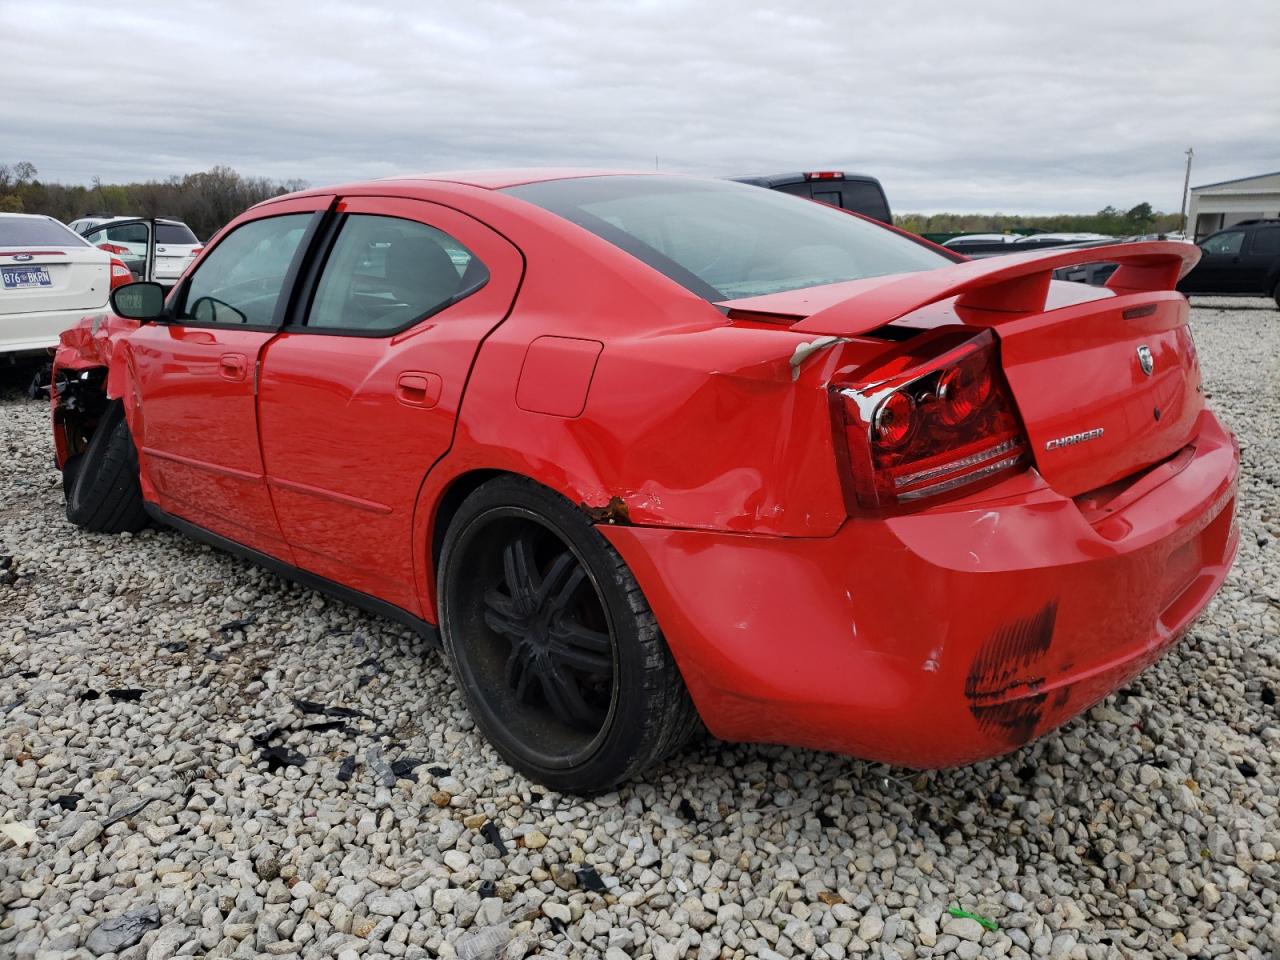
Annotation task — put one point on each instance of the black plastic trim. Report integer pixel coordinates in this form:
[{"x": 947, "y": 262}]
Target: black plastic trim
[{"x": 425, "y": 629}]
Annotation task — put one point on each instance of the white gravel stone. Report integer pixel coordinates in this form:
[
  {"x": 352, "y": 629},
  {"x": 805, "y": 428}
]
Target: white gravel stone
[{"x": 1146, "y": 828}]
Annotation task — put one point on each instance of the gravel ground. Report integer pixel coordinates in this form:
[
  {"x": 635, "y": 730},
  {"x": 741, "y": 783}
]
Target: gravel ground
[{"x": 1148, "y": 827}]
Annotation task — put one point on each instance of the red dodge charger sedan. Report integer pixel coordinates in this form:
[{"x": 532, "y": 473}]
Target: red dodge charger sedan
[{"x": 648, "y": 452}]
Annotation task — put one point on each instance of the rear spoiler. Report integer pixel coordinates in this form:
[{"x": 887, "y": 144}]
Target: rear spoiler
[{"x": 1013, "y": 285}]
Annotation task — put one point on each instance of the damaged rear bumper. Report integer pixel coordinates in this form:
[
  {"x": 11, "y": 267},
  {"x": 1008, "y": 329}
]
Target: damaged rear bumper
[{"x": 948, "y": 636}]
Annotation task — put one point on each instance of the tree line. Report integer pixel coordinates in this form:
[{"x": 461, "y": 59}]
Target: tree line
[
  {"x": 203, "y": 201},
  {"x": 206, "y": 201},
  {"x": 1109, "y": 220}
]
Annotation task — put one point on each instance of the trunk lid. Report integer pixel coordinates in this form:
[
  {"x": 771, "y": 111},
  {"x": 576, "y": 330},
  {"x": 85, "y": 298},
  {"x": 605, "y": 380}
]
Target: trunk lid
[
  {"x": 1105, "y": 389},
  {"x": 44, "y": 278},
  {"x": 1106, "y": 381}
]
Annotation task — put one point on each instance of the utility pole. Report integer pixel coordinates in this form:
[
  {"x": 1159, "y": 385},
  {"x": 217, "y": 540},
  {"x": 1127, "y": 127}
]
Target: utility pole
[{"x": 1186, "y": 184}]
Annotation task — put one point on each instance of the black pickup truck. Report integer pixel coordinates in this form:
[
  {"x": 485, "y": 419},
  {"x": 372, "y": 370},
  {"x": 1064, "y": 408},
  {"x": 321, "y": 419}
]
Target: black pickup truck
[{"x": 852, "y": 191}]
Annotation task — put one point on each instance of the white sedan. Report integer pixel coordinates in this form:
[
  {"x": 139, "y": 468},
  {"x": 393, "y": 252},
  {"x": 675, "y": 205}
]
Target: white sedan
[{"x": 49, "y": 279}]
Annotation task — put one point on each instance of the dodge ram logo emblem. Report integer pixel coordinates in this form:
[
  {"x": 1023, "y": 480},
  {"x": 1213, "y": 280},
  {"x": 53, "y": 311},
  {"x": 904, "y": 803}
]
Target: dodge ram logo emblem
[{"x": 1144, "y": 357}]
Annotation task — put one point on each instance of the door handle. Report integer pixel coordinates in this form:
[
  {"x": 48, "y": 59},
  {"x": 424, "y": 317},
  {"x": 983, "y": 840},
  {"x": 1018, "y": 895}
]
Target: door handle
[
  {"x": 418, "y": 389},
  {"x": 232, "y": 366}
]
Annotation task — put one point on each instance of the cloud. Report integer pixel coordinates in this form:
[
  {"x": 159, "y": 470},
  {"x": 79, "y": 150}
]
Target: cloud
[{"x": 1003, "y": 105}]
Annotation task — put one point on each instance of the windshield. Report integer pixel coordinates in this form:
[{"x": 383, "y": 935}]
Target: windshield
[
  {"x": 725, "y": 240},
  {"x": 25, "y": 231}
]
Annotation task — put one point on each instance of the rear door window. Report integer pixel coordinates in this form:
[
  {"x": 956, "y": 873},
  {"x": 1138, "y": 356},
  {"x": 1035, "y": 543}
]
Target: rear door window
[{"x": 385, "y": 274}]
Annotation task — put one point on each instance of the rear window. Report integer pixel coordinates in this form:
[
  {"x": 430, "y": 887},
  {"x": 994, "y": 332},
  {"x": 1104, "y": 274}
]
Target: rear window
[
  {"x": 724, "y": 240},
  {"x": 27, "y": 231},
  {"x": 174, "y": 233}
]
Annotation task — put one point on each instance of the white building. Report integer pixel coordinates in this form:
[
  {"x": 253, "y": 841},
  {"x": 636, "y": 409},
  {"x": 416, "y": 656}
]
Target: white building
[{"x": 1217, "y": 205}]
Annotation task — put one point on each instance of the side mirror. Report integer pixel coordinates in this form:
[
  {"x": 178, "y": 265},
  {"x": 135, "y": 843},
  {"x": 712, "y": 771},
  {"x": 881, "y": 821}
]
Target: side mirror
[{"x": 138, "y": 301}]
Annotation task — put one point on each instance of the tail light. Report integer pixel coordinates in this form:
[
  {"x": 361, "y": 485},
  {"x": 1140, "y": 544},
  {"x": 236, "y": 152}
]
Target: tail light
[
  {"x": 120, "y": 273},
  {"x": 825, "y": 175},
  {"x": 113, "y": 248},
  {"x": 934, "y": 420},
  {"x": 195, "y": 252}
]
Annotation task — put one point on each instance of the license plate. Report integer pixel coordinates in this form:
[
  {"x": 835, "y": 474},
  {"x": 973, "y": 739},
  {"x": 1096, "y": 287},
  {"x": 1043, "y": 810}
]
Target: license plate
[{"x": 17, "y": 278}]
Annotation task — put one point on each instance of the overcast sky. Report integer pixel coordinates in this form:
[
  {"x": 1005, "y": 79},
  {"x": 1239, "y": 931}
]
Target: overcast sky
[{"x": 1010, "y": 105}]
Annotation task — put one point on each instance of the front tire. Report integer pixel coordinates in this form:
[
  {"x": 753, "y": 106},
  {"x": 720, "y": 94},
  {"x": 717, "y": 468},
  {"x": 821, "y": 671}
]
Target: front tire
[
  {"x": 553, "y": 644},
  {"x": 101, "y": 485}
]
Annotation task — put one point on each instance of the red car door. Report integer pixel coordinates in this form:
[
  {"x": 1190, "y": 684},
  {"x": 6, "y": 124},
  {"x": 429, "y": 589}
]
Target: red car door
[
  {"x": 196, "y": 377},
  {"x": 359, "y": 394}
]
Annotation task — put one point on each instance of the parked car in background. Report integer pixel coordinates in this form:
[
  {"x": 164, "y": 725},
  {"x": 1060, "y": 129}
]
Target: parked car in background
[
  {"x": 85, "y": 224},
  {"x": 849, "y": 191},
  {"x": 128, "y": 237},
  {"x": 1242, "y": 260},
  {"x": 49, "y": 279},
  {"x": 977, "y": 245},
  {"x": 722, "y": 456}
]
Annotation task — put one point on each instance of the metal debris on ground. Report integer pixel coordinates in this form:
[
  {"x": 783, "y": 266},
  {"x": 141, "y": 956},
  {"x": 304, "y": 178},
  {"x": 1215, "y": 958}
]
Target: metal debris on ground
[
  {"x": 119, "y": 933},
  {"x": 231, "y": 626},
  {"x": 346, "y": 768},
  {"x": 487, "y": 943},
  {"x": 278, "y": 756},
  {"x": 490, "y": 832},
  {"x": 382, "y": 774},
  {"x": 126, "y": 694},
  {"x": 68, "y": 801},
  {"x": 404, "y": 766},
  {"x": 311, "y": 707},
  {"x": 128, "y": 812},
  {"x": 589, "y": 879}
]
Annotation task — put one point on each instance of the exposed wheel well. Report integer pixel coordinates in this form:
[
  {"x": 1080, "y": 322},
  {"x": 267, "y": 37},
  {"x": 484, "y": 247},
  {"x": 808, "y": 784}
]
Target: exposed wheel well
[
  {"x": 82, "y": 399},
  {"x": 450, "y": 501}
]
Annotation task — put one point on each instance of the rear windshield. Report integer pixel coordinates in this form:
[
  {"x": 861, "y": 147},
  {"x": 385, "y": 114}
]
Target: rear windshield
[
  {"x": 724, "y": 240},
  {"x": 26, "y": 231},
  {"x": 174, "y": 233}
]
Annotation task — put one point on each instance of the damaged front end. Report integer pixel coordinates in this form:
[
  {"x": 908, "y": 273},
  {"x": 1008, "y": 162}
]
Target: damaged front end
[{"x": 86, "y": 374}]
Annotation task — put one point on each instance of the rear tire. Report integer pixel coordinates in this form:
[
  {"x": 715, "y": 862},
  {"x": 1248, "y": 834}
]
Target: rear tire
[
  {"x": 101, "y": 485},
  {"x": 553, "y": 644}
]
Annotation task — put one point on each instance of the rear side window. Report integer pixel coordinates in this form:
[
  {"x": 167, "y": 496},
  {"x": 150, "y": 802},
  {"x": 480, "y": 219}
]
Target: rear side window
[
  {"x": 241, "y": 279},
  {"x": 174, "y": 233},
  {"x": 385, "y": 274},
  {"x": 1225, "y": 242},
  {"x": 1267, "y": 242},
  {"x": 126, "y": 233},
  {"x": 865, "y": 198},
  {"x": 724, "y": 240},
  {"x": 30, "y": 231}
]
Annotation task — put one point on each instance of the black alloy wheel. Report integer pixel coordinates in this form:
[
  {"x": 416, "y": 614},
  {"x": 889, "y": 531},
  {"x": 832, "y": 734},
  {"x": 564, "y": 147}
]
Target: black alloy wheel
[{"x": 550, "y": 638}]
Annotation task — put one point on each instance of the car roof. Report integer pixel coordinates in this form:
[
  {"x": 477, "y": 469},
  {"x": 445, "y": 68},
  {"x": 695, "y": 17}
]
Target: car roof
[
  {"x": 516, "y": 176},
  {"x": 32, "y": 216},
  {"x": 120, "y": 220}
]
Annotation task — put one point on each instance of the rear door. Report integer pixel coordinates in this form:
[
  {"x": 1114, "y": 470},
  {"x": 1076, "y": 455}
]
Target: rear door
[
  {"x": 1219, "y": 268},
  {"x": 360, "y": 394},
  {"x": 1259, "y": 260},
  {"x": 197, "y": 377}
]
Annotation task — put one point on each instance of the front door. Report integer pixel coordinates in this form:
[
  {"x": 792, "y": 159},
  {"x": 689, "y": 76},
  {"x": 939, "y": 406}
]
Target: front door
[
  {"x": 360, "y": 392},
  {"x": 196, "y": 375}
]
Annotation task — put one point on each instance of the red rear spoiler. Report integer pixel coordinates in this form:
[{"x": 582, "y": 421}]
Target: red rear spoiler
[{"x": 1015, "y": 285}]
